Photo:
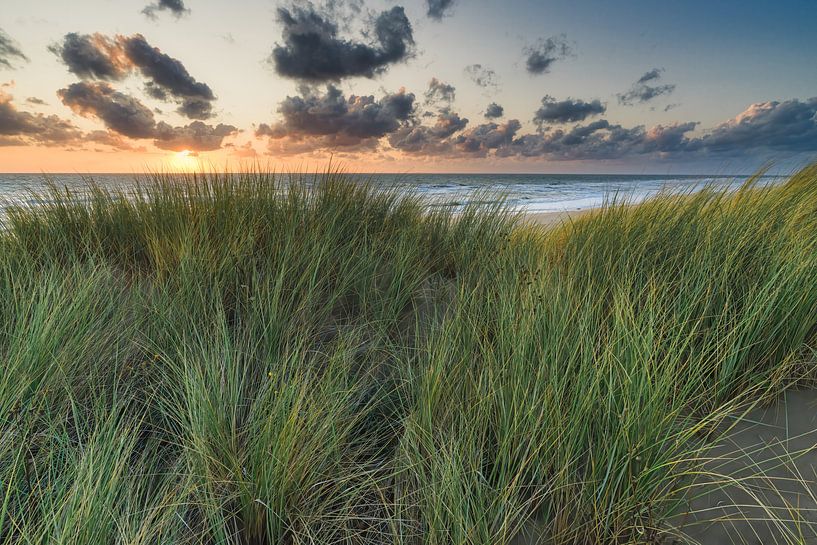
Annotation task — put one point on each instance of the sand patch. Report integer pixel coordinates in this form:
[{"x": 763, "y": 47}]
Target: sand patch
[
  {"x": 760, "y": 480},
  {"x": 553, "y": 219}
]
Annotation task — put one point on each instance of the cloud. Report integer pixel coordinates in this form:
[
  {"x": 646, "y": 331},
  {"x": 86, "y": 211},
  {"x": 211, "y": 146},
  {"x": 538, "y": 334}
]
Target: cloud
[
  {"x": 566, "y": 111},
  {"x": 95, "y": 56},
  {"x": 169, "y": 75},
  {"x": 488, "y": 137},
  {"x": 197, "y": 136},
  {"x": 127, "y": 116},
  {"x": 428, "y": 140},
  {"x": 313, "y": 52},
  {"x": 597, "y": 140},
  {"x": 112, "y": 140},
  {"x": 669, "y": 139},
  {"x": 494, "y": 111},
  {"x": 19, "y": 128},
  {"x": 540, "y": 57},
  {"x": 176, "y": 7},
  {"x": 36, "y": 101},
  {"x": 439, "y": 92},
  {"x": 313, "y": 122},
  {"x": 196, "y": 108},
  {"x": 437, "y": 9},
  {"x": 243, "y": 151},
  {"x": 119, "y": 112},
  {"x": 763, "y": 130},
  {"x": 789, "y": 126},
  {"x": 349, "y": 121},
  {"x": 483, "y": 76},
  {"x": 644, "y": 90},
  {"x": 9, "y": 51}
]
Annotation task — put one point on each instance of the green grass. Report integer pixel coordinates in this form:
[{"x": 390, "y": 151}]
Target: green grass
[{"x": 212, "y": 359}]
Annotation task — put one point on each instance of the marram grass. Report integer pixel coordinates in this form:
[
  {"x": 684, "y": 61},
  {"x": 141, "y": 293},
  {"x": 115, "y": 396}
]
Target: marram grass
[{"x": 248, "y": 359}]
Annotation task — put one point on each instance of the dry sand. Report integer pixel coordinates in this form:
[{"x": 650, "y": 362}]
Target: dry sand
[
  {"x": 761, "y": 481},
  {"x": 552, "y": 219}
]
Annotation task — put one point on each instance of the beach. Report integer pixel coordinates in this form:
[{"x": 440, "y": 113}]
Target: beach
[{"x": 552, "y": 219}]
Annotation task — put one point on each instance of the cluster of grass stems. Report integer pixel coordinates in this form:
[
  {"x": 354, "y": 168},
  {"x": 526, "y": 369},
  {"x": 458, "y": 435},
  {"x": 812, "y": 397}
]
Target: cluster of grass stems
[{"x": 250, "y": 359}]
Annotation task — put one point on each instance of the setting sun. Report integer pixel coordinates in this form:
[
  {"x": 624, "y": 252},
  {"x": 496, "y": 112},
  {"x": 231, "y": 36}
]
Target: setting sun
[{"x": 185, "y": 160}]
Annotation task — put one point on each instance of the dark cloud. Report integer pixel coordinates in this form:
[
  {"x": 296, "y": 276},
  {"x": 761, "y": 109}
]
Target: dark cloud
[
  {"x": 312, "y": 50},
  {"x": 156, "y": 92},
  {"x": 196, "y": 108},
  {"x": 788, "y": 126},
  {"x": 541, "y": 56},
  {"x": 651, "y": 75},
  {"x": 668, "y": 139},
  {"x": 95, "y": 56},
  {"x": 350, "y": 120},
  {"x": 428, "y": 140},
  {"x": 36, "y": 101},
  {"x": 197, "y": 136},
  {"x": 176, "y": 7},
  {"x": 494, "y": 111},
  {"x": 439, "y": 92},
  {"x": 119, "y": 112},
  {"x": 24, "y": 128},
  {"x": 646, "y": 89},
  {"x": 566, "y": 111},
  {"x": 487, "y": 137},
  {"x": 313, "y": 122},
  {"x": 169, "y": 75},
  {"x": 9, "y": 51},
  {"x": 599, "y": 140},
  {"x": 763, "y": 130},
  {"x": 437, "y": 9},
  {"x": 127, "y": 116},
  {"x": 482, "y": 76}
]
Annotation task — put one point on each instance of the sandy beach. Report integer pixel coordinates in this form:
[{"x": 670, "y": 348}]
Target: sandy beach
[
  {"x": 552, "y": 219},
  {"x": 758, "y": 485}
]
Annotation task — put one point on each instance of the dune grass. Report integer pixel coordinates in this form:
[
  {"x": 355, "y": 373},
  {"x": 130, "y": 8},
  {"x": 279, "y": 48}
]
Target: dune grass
[{"x": 248, "y": 359}]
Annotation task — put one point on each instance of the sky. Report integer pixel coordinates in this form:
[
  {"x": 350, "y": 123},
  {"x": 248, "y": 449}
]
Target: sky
[{"x": 679, "y": 86}]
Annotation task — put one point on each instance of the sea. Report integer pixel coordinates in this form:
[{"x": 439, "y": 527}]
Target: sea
[{"x": 524, "y": 192}]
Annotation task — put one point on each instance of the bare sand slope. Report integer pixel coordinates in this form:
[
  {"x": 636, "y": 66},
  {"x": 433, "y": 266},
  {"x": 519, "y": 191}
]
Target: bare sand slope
[{"x": 761, "y": 486}]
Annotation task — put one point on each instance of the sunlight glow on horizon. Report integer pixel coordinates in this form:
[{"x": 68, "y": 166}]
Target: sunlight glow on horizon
[{"x": 185, "y": 161}]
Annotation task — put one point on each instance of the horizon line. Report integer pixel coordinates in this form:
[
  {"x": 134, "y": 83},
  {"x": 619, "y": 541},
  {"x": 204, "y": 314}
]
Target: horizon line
[{"x": 372, "y": 174}]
